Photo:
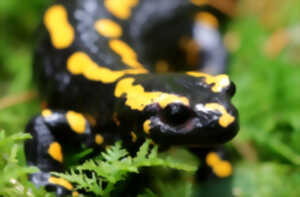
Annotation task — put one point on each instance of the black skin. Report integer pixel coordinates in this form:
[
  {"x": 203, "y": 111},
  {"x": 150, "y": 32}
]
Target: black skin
[{"x": 176, "y": 124}]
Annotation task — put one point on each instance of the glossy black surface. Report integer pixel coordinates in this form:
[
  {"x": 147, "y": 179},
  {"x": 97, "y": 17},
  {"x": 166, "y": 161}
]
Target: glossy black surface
[{"x": 153, "y": 31}]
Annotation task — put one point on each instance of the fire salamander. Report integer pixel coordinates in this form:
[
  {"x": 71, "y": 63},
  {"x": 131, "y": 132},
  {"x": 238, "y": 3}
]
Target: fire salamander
[{"x": 129, "y": 70}]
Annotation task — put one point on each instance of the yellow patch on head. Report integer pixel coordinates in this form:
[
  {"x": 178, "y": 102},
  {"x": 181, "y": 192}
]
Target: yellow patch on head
[
  {"x": 81, "y": 63},
  {"x": 129, "y": 57},
  {"x": 147, "y": 126},
  {"x": 226, "y": 118},
  {"x": 56, "y": 22},
  {"x": 161, "y": 66},
  {"x": 208, "y": 19},
  {"x": 76, "y": 121},
  {"x": 61, "y": 182},
  {"x": 46, "y": 113},
  {"x": 108, "y": 28},
  {"x": 120, "y": 8},
  {"x": 138, "y": 99},
  {"x": 99, "y": 139},
  {"x": 133, "y": 136},
  {"x": 219, "y": 81},
  {"x": 55, "y": 151},
  {"x": 199, "y": 2}
]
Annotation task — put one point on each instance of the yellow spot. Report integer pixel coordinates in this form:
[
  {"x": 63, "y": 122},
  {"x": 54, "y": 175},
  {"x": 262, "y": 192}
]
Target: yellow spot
[
  {"x": 46, "y": 113},
  {"x": 61, "y": 182},
  {"x": 108, "y": 28},
  {"x": 219, "y": 81},
  {"x": 75, "y": 194},
  {"x": 128, "y": 55},
  {"x": 120, "y": 8},
  {"x": 99, "y": 139},
  {"x": 212, "y": 159},
  {"x": 225, "y": 119},
  {"x": 208, "y": 19},
  {"x": 115, "y": 119},
  {"x": 60, "y": 30},
  {"x": 138, "y": 99},
  {"x": 161, "y": 66},
  {"x": 223, "y": 169},
  {"x": 55, "y": 151},
  {"x": 147, "y": 126},
  {"x": 81, "y": 63},
  {"x": 76, "y": 121},
  {"x": 220, "y": 167},
  {"x": 133, "y": 136},
  {"x": 199, "y": 2}
]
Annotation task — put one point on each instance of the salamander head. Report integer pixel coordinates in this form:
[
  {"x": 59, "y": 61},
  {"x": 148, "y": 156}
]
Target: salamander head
[{"x": 207, "y": 119}]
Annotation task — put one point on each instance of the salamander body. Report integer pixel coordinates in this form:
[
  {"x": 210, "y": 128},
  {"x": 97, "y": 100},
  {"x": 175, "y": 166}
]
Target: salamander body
[{"x": 129, "y": 70}]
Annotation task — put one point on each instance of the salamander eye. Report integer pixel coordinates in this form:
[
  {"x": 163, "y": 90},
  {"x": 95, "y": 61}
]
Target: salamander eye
[{"x": 176, "y": 114}]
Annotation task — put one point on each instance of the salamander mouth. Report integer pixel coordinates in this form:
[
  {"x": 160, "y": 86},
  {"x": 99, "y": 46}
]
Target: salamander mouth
[
  {"x": 180, "y": 125},
  {"x": 177, "y": 115}
]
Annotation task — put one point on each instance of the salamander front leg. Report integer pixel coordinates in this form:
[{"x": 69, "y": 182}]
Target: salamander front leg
[
  {"x": 214, "y": 175},
  {"x": 54, "y": 132}
]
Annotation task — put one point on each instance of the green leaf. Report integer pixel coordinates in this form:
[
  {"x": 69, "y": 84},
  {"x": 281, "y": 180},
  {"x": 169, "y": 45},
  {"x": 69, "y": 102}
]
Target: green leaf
[{"x": 114, "y": 165}]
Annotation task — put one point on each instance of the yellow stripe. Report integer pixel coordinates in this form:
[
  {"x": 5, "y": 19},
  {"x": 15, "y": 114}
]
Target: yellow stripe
[
  {"x": 129, "y": 57},
  {"x": 55, "y": 151},
  {"x": 219, "y": 81},
  {"x": 220, "y": 167},
  {"x": 108, "y": 28},
  {"x": 138, "y": 99},
  {"x": 76, "y": 121},
  {"x": 81, "y": 63},
  {"x": 56, "y": 22},
  {"x": 61, "y": 182},
  {"x": 147, "y": 126},
  {"x": 226, "y": 119},
  {"x": 223, "y": 169},
  {"x": 120, "y": 8}
]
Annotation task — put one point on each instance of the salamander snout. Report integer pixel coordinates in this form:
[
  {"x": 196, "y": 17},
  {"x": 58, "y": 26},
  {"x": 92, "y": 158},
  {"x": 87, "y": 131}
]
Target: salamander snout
[{"x": 202, "y": 125}]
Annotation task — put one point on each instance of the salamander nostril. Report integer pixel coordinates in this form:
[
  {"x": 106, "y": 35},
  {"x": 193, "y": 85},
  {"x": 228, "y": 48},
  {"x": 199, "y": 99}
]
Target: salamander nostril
[
  {"x": 176, "y": 114},
  {"x": 231, "y": 90}
]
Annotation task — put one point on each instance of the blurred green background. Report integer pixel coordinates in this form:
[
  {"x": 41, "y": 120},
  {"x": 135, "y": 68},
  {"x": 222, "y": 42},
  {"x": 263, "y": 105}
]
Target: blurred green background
[{"x": 264, "y": 40}]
